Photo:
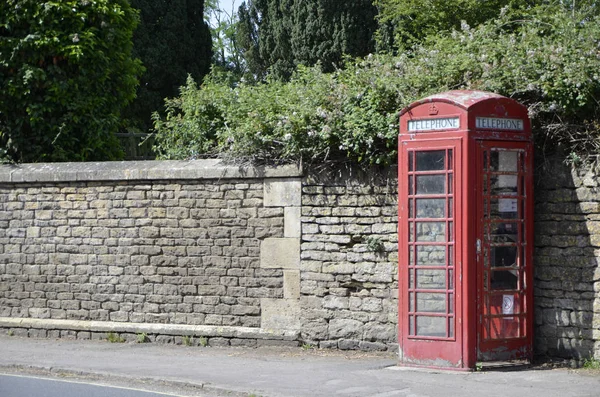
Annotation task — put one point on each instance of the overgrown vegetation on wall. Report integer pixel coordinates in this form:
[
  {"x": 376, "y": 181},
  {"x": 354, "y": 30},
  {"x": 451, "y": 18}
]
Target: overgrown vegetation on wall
[{"x": 544, "y": 57}]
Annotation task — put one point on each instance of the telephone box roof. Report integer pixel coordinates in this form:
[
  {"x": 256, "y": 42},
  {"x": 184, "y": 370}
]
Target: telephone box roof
[{"x": 461, "y": 98}]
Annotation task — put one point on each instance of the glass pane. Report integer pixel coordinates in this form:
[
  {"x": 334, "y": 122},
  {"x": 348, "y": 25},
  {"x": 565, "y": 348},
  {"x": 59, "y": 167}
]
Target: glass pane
[
  {"x": 504, "y": 279},
  {"x": 485, "y": 161},
  {"x": 411, "y": 307},
  {"x": 410, "y": 161},
  {"x": 429, "y": 302},
  {"x": 411, "y": 256},
  {"x": 411, "y": 278},
  {"x": 411, "y": 325},
  {"x": 431, "y": 326},
  {"x": 431, "y": 160},
  {"x": 450, "y": 159},
  {"x": 450, "y": 207},
  {"x": 502, "y": 328},
  {"x": 504, "y": 185},
  {"x": 505, "y": 161},
  {"x": 431, "y": 279},
  {"x": 431, "y": 255},
  {"x": 450, "y": 184},
  {"x": 450, "y": 255},
  {"x": 505, "y": 208},
  {"x": 410, "y": 185},
  {"x": 504, "y": 256},
  {"x": 451, "y": 327},
  {"x": 450, "y": 279},
  {"x": 431, "y": 184},
  {"x": 431, "y": 231},
  {"x": 485, "y": 184},
  {"x": 503, "y": 233},
  {"x": 506, "y": 304},
  {"x": 451, "y": 303},
  {"x": 450, "y": 232},
  {"x": 430, "y": 208},
  {"x": 411, "y": 208}
]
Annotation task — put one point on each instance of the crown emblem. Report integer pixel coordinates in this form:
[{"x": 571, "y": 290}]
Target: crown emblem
[{"x": 433, "y": 109}]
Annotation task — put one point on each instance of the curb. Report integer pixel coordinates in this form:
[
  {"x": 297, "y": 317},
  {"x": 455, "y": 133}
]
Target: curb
[{"x": 111, "y": 379}]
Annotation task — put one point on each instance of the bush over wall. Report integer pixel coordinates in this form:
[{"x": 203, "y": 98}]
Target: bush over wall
[{"x": 545, "y": 58}]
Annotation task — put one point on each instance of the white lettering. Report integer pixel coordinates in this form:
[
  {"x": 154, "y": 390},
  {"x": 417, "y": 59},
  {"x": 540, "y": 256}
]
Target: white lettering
[
  {"x": 492, "y": 123},
  {"x": 449, "y": 123}
]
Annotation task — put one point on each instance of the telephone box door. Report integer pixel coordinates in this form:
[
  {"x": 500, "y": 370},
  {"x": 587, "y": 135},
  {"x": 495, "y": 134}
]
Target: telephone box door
[
  {"x": 504, "y": 251},
  {"x": 430, "y": 332}
]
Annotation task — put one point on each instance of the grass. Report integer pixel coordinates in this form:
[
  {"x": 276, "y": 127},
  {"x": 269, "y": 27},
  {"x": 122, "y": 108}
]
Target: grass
[
  {"x": 142, "y": 337},
  {"x": 591, "y": 363},
  {"x": 114, "y": 338},
  {"x": 307, "y": 346},
  {"x": 203, "y": 341},
  {"x": 188, "y": 340}
]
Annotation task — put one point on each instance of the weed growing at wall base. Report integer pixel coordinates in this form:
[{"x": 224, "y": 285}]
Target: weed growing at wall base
[{"x": 114, "y": 338}]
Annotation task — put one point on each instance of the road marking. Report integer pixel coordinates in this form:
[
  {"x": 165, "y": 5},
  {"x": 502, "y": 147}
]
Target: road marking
[{"x": 91, "y": 384}]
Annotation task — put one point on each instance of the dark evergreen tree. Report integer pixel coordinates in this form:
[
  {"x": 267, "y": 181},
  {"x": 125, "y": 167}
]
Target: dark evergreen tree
[
  {"x": 278, "y": 35},
  {"x": 172, "y": 40}
]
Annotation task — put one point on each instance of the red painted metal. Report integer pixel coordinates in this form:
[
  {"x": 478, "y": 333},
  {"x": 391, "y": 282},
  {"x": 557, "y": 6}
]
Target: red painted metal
[{"x": 459, "y": 260}]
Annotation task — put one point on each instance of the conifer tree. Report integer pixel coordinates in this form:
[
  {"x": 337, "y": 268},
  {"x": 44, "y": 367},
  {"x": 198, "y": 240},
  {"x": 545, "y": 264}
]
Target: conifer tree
[
  {"x": 278, "y": 35},
  {"x": 172, "y": 40}
]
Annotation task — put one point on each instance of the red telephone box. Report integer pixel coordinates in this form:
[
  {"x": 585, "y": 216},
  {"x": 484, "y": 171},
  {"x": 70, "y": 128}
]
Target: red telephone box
[{"x": 465, "y": 213}]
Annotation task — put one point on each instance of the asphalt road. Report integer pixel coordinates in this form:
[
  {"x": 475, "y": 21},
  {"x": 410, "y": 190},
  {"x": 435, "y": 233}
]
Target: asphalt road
[{"x": 32, "y": 386}]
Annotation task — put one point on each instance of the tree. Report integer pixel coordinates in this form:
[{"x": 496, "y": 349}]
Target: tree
[
  {"x": 224, "y": 26},
  {"x": 66, "y": 72},
  {"x": 278, "y": 35},
  {"x": 173, "y": 40},
  {"x": 545, "y": 57},
  {"x": 404, "y": 23}
]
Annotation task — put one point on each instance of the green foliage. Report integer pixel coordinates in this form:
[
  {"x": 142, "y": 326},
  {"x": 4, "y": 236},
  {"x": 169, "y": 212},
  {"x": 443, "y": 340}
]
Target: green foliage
[
  {"x": 188, "y": 340},
  {"x": 224, "y": 26},
  {"x": 203, "y": 341},
  {"x": 278, "y": 35},
  {"x": 173, "y": 41},
  {"x": 404, "y": 23},
  {"x": 114, "y": 338},
  {"x": 66, "y": 72},
  {"x": 544, "y": 58},
  {"x": 591, "y": 363},
  {"x": 374, "y": 244},
  {"x": 142, "y": 337}
]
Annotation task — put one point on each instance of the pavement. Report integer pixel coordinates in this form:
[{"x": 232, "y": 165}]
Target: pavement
[{"x": 274, "y": 371}]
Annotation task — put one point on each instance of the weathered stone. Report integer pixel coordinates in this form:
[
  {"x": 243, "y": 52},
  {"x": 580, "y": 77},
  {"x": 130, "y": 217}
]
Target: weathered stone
[
  {"x": 280, "y": 253},
  {"x": 345, "y": 328}
]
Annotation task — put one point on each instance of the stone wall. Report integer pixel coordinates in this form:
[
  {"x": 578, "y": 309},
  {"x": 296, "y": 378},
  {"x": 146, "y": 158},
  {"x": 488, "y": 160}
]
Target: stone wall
[
  {"x": 566, "y": 260},
  {"x": 349, "y": 262},
  {"x": 254, "y": 256},
  {"x": 210, "y": 246}
]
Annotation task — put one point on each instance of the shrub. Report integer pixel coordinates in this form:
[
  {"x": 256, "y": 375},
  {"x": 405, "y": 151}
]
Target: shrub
[{"x": 547, "y": 60}]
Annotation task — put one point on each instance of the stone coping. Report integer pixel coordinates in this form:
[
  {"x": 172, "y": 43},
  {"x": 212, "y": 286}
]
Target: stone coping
[
  {"x": 139, "y": 170},
  {"x": 150, "y": 328}
]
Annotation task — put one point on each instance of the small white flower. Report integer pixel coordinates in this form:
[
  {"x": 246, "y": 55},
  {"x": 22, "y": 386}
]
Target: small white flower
[
  {"x": 75, "y": 38},
  {"x": 287, "y": 137}
]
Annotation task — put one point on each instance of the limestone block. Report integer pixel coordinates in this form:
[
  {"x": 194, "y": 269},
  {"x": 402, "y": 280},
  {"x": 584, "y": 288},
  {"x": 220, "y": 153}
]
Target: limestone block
[
  {"x": 291, "y": 284},
  {"x": 280, "y": 314},
  {"x": 291, "y": 222},
  {"x": 283, "y": 192},
  {"x": 280, "y": 253}
]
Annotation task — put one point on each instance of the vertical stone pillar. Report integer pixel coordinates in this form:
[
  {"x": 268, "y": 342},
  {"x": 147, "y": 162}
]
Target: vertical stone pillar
[{"x": 283, "y": 253}]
